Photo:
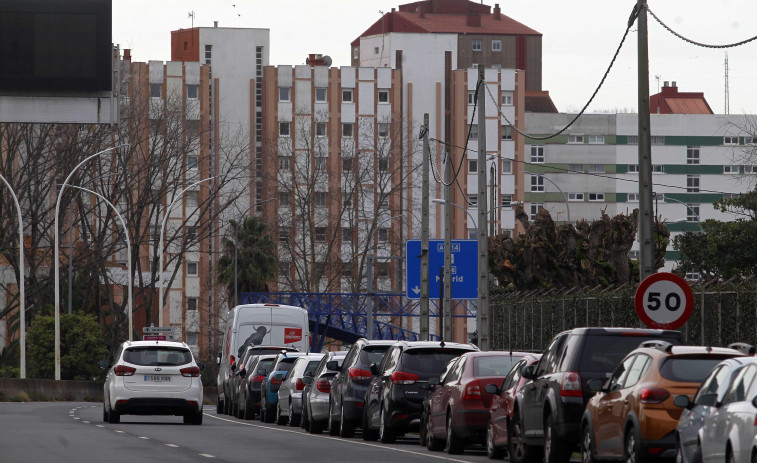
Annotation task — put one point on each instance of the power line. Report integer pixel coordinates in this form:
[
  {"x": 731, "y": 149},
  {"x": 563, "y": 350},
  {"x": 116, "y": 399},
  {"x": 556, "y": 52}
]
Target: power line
[{"x": 694, "y": 42}]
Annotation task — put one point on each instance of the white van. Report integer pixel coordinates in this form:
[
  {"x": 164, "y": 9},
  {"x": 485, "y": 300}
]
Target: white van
[{"x": 274, "y": 325}]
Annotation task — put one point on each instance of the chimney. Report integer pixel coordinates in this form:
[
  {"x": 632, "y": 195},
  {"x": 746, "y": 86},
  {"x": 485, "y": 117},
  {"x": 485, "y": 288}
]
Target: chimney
[
  {"x": 215, "y": 23},
  {"x": 665, "y": 84},
  {"x": 421, "y": 11},
  {"x": 497, "y": 12},
  {"x": 674, "y": 84},
  {"x": 127, "y": 54}
]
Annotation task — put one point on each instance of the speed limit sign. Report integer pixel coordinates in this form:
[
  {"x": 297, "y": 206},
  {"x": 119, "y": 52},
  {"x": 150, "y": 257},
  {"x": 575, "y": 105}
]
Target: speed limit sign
[{"x": 664, "y": 301}]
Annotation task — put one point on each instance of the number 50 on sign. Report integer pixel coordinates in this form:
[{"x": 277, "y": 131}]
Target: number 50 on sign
[{"x": 664, "y": 301}]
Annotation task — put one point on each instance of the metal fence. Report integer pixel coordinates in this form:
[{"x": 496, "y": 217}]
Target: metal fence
[{"x": 529, "y": 320}]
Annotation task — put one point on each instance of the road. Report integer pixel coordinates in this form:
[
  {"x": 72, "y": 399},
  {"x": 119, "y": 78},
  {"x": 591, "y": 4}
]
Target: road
[{"x": 74, "y": 432}]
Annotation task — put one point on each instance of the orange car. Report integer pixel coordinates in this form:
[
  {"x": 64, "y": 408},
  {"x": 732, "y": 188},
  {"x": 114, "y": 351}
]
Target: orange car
[{"x": 632, "y": 416}]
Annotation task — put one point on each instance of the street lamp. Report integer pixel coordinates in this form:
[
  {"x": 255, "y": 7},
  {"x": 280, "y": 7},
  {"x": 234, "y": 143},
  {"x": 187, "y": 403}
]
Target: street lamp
[
  {"x": 694, "y": 212},
  {"x": 236, "y": 238},
  {"x": 441, "y": 201},
  {"x": 565, "y": 198},
  {"x": 128, "y": 251}
]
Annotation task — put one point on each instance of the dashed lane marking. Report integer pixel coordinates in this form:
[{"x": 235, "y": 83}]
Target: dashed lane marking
[
  {"x": 144, "y": 437},
  {"x": 205, "y": 455},
  {"x": 86, "y": 422},
  {"x": 172, "y": 445}
]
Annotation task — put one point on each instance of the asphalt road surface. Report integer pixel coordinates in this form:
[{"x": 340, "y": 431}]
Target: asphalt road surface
[{"x": 75, "y": 432}]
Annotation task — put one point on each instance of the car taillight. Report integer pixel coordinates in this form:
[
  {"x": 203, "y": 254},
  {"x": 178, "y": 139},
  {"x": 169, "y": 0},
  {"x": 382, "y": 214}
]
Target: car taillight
[
  {"x": 232, "y": 359},
  {"x": 123, "y": 370},
  {"x": 653, "y": 395},
  {"x": 190, "y": 372},
  {"x": 571, "y": 385},
  {"x": 300, "y": 385},
  {"x": 400, "y": 377},
  {"x": 276, "y": 381},
  {"x": 472, "y": 391},
  {"x": 257, "y": 379},
  {"x": 359, "y": 374},
  {"x": 323, "y": 385}
]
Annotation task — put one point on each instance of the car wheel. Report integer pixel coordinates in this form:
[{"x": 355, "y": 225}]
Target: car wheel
[
  {"x": 280, "y": 419},
  {"x": 631, "y": 451},
  {"x": 519, "y": 451},
  {"x": 219, "y": 405},
  {"x": 270, "y": 413},
  {"x": 368, "y": 433},
  {"x": 333, "y": 427},
  {"x": 455, "y": 444},
  {"x": 105, "y": 413},
  {"x": 587, "y": 442},
  {"x": 194, "y": 418},
  {"x": 246, "y": 415},
  {"x": 226, "y": 405},
  {"x": 555, "y": 450},
  {"x": 114, "y": 417},
  {"x": 422, "y": 431},
  {"x": 346, "y": 429},
  {"x": 492, "y": 451},
  {"x": 314, "y": 427},
  {"x": 731, "y": 458},
  {"x": 262, "y": 411},
  {"x": 304, "y": 420},
  {"x": 294, "y": 420},
  {"x": 433, "y": 443},
  {"x": 386, "y": 435}
]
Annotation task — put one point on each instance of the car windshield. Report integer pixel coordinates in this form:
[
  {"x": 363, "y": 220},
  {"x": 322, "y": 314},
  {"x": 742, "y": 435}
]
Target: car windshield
[
  {"x": 312, "y": 365},
  {"x": 372, "y": 354},
  {"x": 493, "y": 366},
  {"x": 688, "y": 369},
  {"x": 603, "y": 353},
  {"x": 266, "y": 365},
  {"x": 157, "y": 356},
  {"x": 286, "y": 364},
  {"x": 428, "y": 362}
]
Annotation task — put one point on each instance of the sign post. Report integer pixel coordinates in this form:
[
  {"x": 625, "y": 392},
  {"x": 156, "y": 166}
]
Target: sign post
[{"x": 664, "y": 301}]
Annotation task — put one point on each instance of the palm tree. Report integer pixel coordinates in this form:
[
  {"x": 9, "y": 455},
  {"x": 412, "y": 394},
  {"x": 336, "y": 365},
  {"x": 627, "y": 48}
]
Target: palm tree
[{"x": 255, "y": 255}]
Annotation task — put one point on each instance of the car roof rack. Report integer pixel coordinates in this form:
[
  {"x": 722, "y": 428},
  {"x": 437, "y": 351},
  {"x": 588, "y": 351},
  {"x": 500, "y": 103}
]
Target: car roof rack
[
  {"x": 743, "y": 347},
  {"x": 657, "y": 344}
]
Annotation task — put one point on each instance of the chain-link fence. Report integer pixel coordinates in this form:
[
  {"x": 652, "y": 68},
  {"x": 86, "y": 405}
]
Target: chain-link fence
[{"x": 529, "y": 320}]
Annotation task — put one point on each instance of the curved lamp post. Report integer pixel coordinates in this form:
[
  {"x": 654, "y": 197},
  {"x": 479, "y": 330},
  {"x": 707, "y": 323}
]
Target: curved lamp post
[
  {"x": 128, "y": 251},
  {"x": 160, "y": 245},
  {"x": 565, "y": 198}
]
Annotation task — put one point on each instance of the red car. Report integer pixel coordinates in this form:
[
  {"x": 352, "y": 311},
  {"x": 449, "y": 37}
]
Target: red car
[
  {"x": 457, "y": 411},
  {"x": 501, "y": 410}
]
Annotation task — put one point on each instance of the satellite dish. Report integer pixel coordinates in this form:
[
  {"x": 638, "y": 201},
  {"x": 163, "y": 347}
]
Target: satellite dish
[{"x": 326, "y": 60}]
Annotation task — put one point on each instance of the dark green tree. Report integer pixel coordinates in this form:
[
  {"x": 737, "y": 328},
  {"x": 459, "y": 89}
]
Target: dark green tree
[
  {"x": 81, "y": 347},
  {"x": 255, "y": 256},
  {"x": 722, "y": 249}
]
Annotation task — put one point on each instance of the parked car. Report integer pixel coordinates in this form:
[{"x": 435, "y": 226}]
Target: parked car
[
  {"x": 394, "y": 401},
  {"x": 236, "y": 377},
  {"x": 153, "y": 378},
  {"x": 317, "y": 392},
  {"x": 249, "y": 389},
  {"x": 289, "y": 405},
  {"x": 704, "y": 404},
  {"x": 351, "y": 382},
  {"x": 501, "y": 409},
  {"x": 730, "y": 434},
  {"x": 633, "y": 416},
  {"x": 457, "y": 410},
  {"x": 270, "y": 388},
  {"x": 549, "y": 408}
]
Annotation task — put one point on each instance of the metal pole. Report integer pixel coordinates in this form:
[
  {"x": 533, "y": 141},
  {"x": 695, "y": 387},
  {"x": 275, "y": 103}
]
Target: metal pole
[
  {"x": 369, "y": 307},
  {"x": 564, "y": 197},
  {"x": 447, "y": 274},
  {"x": 236, "y": 275},
  {"x": 492, "y": 171},
  {"x": 70, "y": 262},
  {"x": 424, "y": 307},
  {"x": 443, "y": 321},
  {"x": 646, "y": 223},
  {"x": 482, "y": 312}
]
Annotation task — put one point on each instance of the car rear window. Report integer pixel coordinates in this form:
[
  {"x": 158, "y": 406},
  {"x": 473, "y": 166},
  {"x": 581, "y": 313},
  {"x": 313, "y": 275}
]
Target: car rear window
[
  {"x": 603, "y": 353},
  {"x": 157, "y": 356},
  {"x": 428, "y": 362},
  {"x": 373, "y": 354},
  {"x": 688, "y": 369},
  {"x": 286, "y": 364},
  {"x": 312, "y": 365},
  {"x": 266, "y": 365},
  {"x": 493, "y": 366}
]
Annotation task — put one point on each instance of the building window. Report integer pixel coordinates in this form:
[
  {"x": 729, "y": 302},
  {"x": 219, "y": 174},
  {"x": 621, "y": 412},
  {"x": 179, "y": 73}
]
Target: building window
[
  {"x": 473, "y": 135},
  {"x": 383, "y": 164},
  {"x": 320, "y": 129},
  {"x": 155, "y": 91},
  {"x": 535, "y": 209},
  {"x": 596, "y": 168},
  {"x": 575, "y": 196},
  {"x": 579, "y": 168},
  {"x": 471, "y": 97},
  {"x": 320, "y": 163},
  {"x": 191, "y": 335},
  {"x": 320, "y": 199},
  {"x": 749, "y": 140},
  {"x": 633, "y": 197},
  {"x": 283, "y": 162},
  {"x": 348, "y": 130},
  {"x": 383, "y": 129},
  {"x": 283, "y": 235},
  {"x": 347, "y": 164},
  {"x": 208, "y": 51},
  {"x": 356, "y": 53},
  {"x": 191, "y": 233},
  {"x": 383, "y": 96},
  {"x": 473, "y": 200},
  {"x": 346, "y": 95},
  {"x": 346, "y": 235},
  {"x": 383, "y": 202},
  {"x": 283, "y": 198},
  {"x": 347, "y": 199},
  {"x": 692, "y": 183},
  {"x": 537, "y": 183},
  {"x": 376, "y": 50},
  {"x": 154, "y": 232},
  {"x": 320, "y": 234},
  {"x": 507, "y": 98},
  {"x": 476, "y": 44},
  {"x": 597, "y": 139},
  {"x": 496, "y": 45},
  {"x": 692, "y": 155},
  {"x": 633, "y": 255},
  {"x": 506, "y": 200},
  {"x": 749, "y": 169},
  {"x": 730, "y": 169},
  {"x": 658, "y": 169},
  {"x": 726, "y": 140},
  {"x": 633, "y": 139},
  {"x": 383, "y": 235},
  {"x": 537, "y": 154},
  {"x": 575, "y": 138},
  {"x": 633, "y": 168},
  {"x": 507, "y": 166},
  {"x": 658, "y": 196},
  {"x": 192, "y": 92},
  {"x": 596, "y": 196},
  {"x": 507, "y": 133},
  {"x": 692, "y": 212},
  {"x": 320, "y": 94},
  {"x": 283, "y": 129},
  {"x": 191, "y": 269},
  {"x": 191, "y": 161},
  {"x": 192, "y": 304},
  {"x": 472, "y": 166},
  {"x": 285, "y": 93},
  {"x": 191, "y": 199},
  {"x": 657, "y": 140}
]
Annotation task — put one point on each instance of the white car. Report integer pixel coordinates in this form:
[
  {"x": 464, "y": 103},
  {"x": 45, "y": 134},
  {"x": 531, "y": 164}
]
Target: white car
[
  {"x": 153, "y": 378},
  {"x": 289, "y": 405}
]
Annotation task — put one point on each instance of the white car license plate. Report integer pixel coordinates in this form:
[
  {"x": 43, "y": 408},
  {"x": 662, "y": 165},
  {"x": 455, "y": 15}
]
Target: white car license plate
[{"x": 157, "y": 379}]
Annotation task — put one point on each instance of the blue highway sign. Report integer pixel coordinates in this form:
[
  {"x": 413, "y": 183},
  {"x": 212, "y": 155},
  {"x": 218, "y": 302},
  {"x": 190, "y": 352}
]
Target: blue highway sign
[{"x": 463, "y": 268}]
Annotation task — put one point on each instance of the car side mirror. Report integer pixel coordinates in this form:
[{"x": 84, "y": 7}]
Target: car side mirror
[
  {"x": 683, "y": 401},
  {"x": 234, "y": 366},
  {"x": 754, "y": 401},
  {"x": 218, "y": 359},
  {"x": 492, "y": 389},
  {"x": 332, "y": 365},
  {"x": 595, "y": 385},
  {"x": 529, "y": 372},
  {"x": 201, "y": 365},
  {"x": 243, "y": 371},
  {"x": 374, "y": 369},
  {"x": 103, "y": 364},
  {"x": 307, "y": 379}
]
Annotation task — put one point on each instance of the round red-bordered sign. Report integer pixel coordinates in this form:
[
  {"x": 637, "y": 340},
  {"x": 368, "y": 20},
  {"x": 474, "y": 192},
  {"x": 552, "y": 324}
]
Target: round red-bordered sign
[{"x": 664, "y": 301}]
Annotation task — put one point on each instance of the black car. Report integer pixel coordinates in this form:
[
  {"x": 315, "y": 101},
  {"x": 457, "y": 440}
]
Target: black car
[
  {"x": 547, "y": 413},
  {"x": 249, "y": 392},
  {"x": 350, "y": 384},
  {"x": 394, "y": 400}
]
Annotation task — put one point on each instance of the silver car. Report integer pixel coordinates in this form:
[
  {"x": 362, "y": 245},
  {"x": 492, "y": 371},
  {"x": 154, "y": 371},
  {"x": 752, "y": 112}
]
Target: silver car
[
  {"x": 289, "y": 406},
  {"x": 315, "y": 398},
  {"x": 153, "y": 378}
]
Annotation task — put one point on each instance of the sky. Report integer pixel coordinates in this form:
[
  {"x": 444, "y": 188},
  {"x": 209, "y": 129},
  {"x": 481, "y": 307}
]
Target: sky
[{"x": 580, "y": 38}]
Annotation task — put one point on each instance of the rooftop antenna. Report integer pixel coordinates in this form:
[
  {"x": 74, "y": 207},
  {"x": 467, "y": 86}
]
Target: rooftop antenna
[
  {"x": 657, "y": 76},
  {"x": 727, "y": 98},
  {"x": 191, "y": 14}
]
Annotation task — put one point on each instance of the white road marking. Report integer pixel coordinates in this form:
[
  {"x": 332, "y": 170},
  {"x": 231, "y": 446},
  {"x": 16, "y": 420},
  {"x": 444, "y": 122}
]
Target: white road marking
[
  {"x": 99, "y": 426},
  {"x": 346, "y": 441},
  {"x": 87, "y": 422},
  {"x": 143, "y": 437},
  {"x": 76, "y": 418},
  {"x": 172, "y": 445},
  {"x": 205, "y": 455},
  {"x": 120, "y": 431}
]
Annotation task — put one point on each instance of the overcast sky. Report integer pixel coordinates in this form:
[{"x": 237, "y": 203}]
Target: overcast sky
[{"x": 579, "y": 40}]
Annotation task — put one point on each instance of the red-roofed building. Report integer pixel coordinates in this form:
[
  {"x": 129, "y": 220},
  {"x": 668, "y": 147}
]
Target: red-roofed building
[{"x": 671, "y": 101}]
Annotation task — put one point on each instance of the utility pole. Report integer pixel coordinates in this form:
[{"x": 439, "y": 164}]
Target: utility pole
[
  {"x": 492, "y": 200},
  {"x": 482, "y": 312},
  {"x": 424, "y": 319},
  {"x": 646, "y": 217},
  {"x": 447, "y": 275}
]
